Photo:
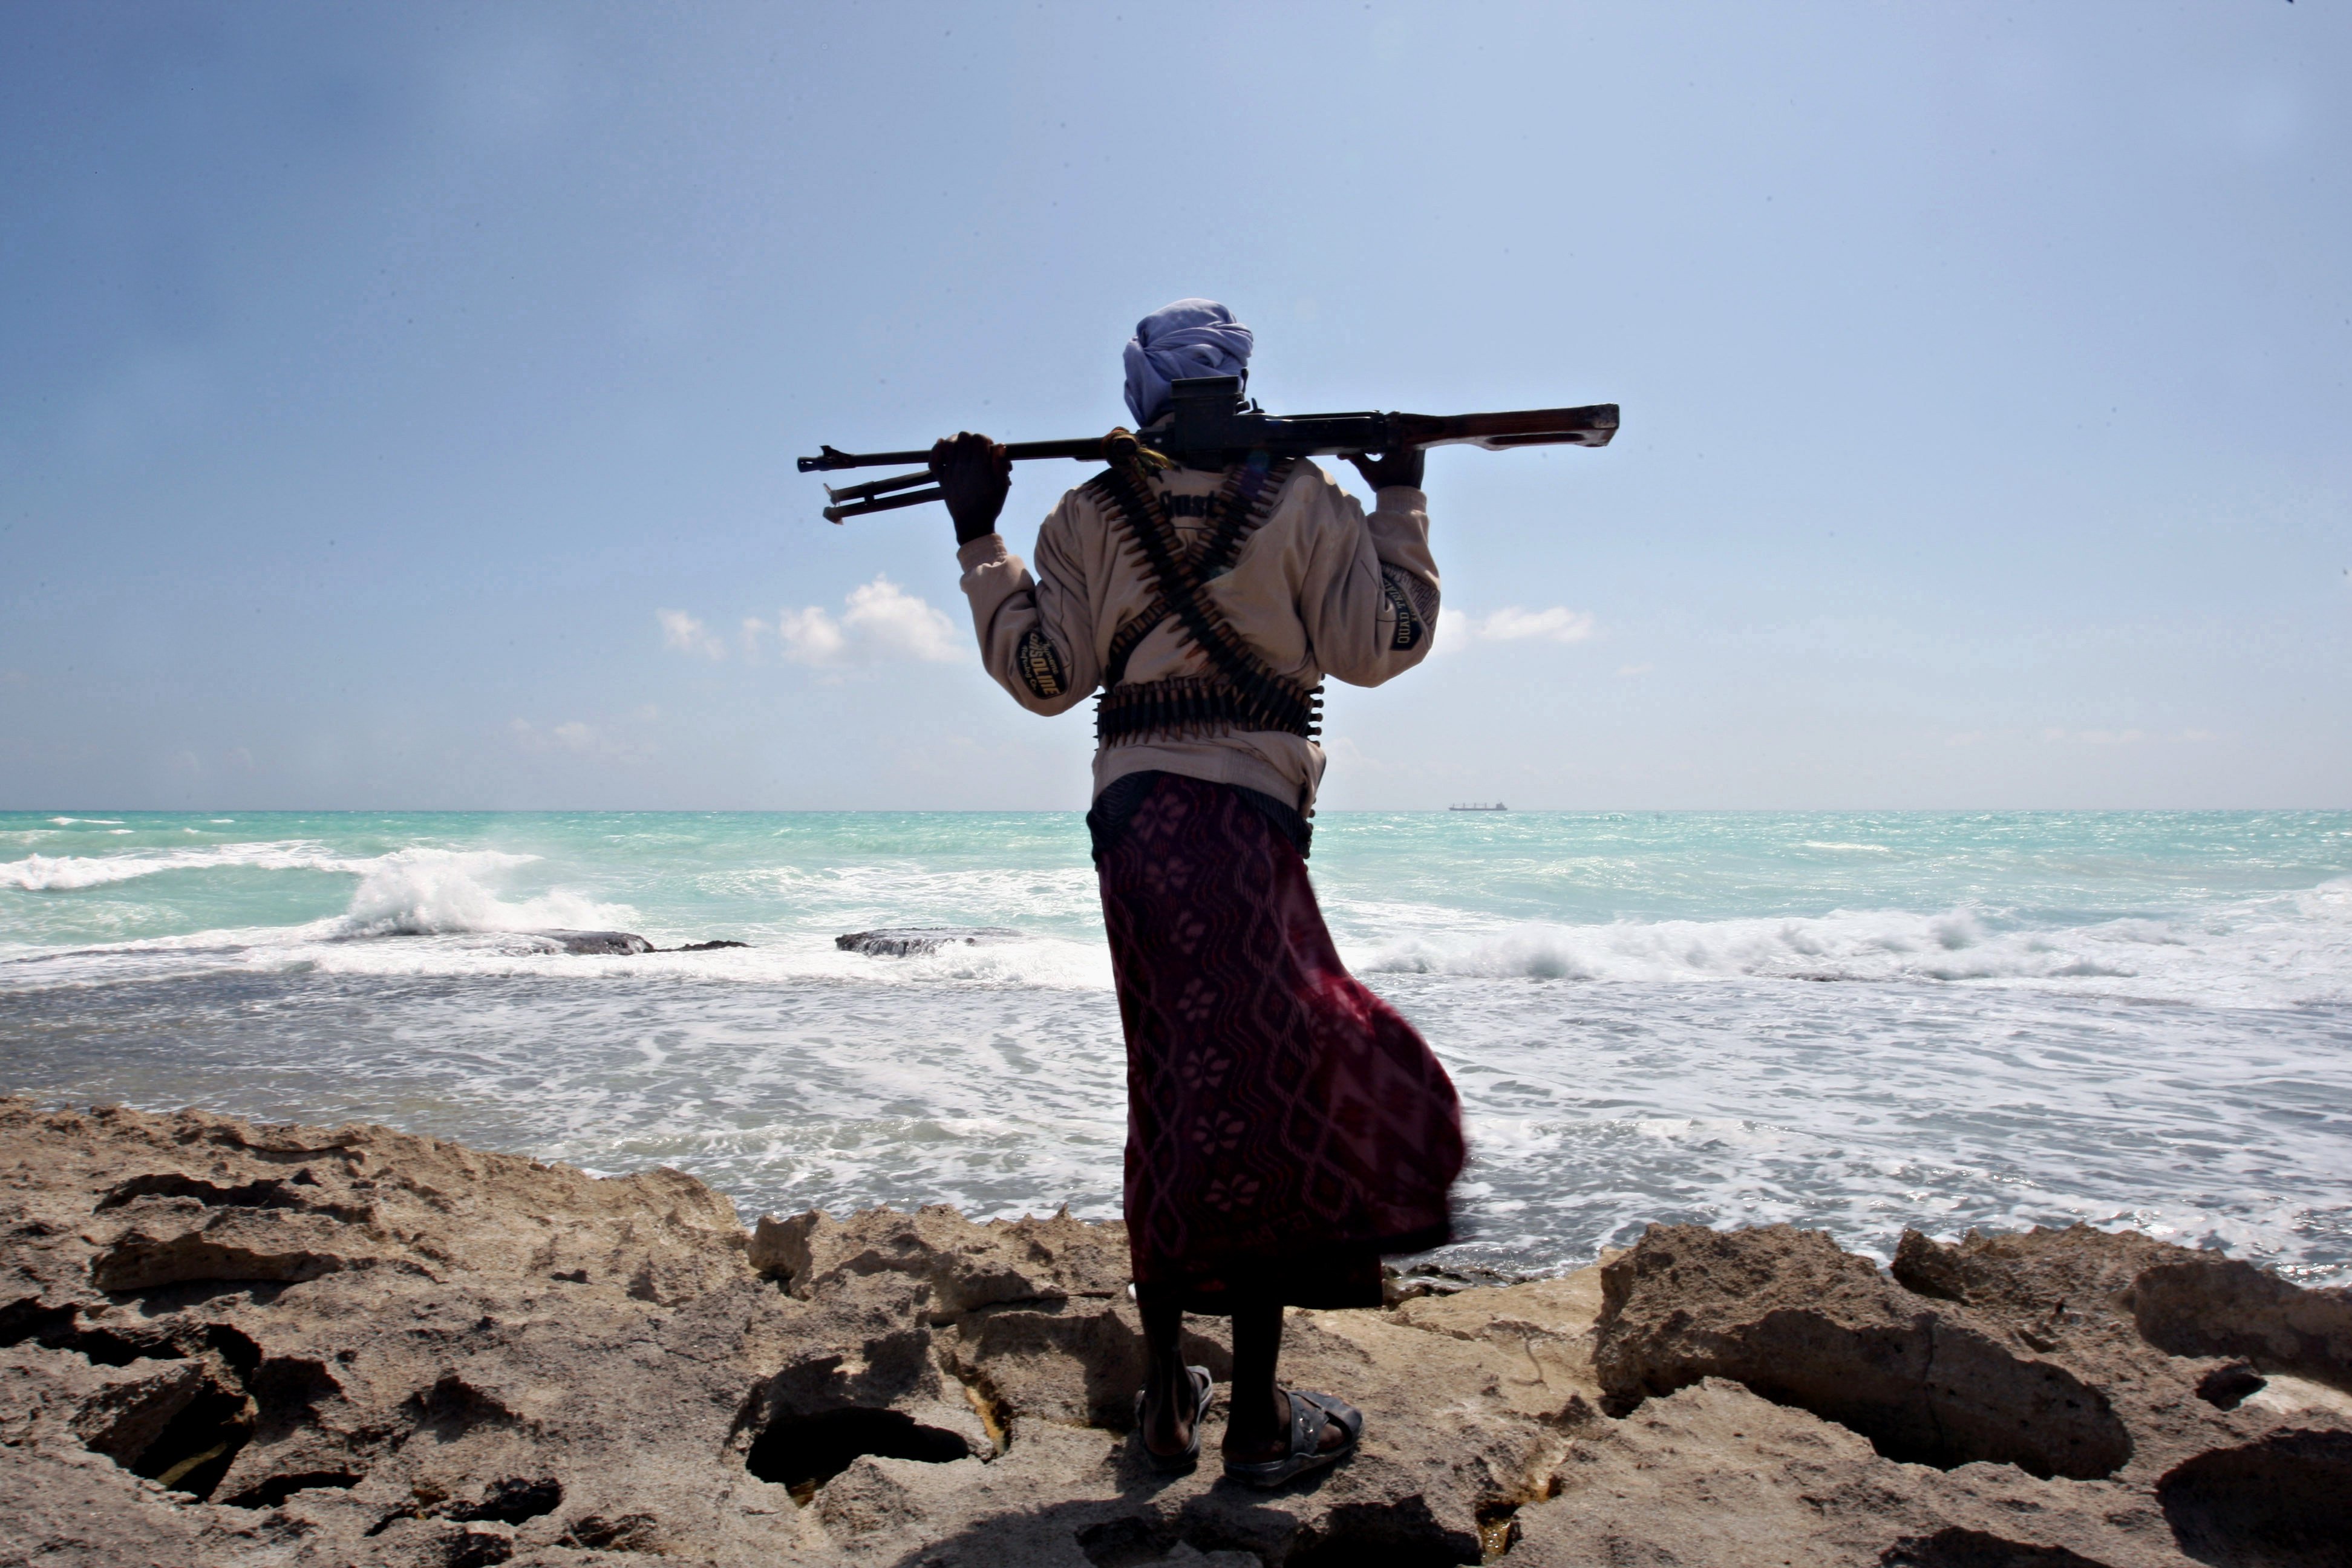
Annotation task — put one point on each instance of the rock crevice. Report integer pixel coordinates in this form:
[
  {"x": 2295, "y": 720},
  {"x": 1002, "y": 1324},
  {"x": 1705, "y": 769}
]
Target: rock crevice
[{"x": 241, "y": 1345}]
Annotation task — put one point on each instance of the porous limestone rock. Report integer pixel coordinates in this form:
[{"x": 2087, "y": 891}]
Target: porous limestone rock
[{"x": 238, "y": 1345}]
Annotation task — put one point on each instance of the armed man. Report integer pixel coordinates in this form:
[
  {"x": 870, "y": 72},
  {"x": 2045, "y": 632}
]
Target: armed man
[{"x": 1285, "y": 1127}]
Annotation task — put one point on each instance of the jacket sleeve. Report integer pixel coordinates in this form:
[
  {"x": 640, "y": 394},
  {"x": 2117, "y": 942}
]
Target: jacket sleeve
[
  {"x": 1370, "y": 598},
  {"x": 1037, "y": 633}
]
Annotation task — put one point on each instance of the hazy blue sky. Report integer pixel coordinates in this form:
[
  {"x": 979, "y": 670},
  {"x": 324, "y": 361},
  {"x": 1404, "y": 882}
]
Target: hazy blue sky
[{"x": 398, "y": 403}]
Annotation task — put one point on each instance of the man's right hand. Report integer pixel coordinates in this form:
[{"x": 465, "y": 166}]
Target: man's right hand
[{"x": 974, "y": 475}]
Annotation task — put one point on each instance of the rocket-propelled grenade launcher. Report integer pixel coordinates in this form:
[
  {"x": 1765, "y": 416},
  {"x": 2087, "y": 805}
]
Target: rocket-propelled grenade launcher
[{"x": 1208, "y": 418}]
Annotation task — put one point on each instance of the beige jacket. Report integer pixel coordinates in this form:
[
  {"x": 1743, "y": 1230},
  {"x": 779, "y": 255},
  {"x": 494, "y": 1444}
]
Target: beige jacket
[{"x": 1321, "y": 589}]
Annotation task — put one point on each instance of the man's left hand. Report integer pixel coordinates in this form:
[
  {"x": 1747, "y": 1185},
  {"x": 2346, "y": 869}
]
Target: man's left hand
[
  {"x": 973, "y": 474},
  {"x": 1389, "y": 468}
]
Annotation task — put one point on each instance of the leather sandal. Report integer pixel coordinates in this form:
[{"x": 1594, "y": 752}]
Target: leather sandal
[
  {"x": 1203, "y": 1392},
  {"x": 1308, "y": 1412}
]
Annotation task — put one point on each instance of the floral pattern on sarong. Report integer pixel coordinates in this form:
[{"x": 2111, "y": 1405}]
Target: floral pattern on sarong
[{"x": 1277, "y": 1111}]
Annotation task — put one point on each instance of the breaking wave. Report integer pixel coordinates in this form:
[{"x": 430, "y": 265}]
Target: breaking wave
[
  {"x": 1625, "y": 1004},
  {"x": 441, "y": 892},
  {"x": 65, "y": 873},
  {"x": 415, "y": 891},
  {"x": 2296, "y": 952}
]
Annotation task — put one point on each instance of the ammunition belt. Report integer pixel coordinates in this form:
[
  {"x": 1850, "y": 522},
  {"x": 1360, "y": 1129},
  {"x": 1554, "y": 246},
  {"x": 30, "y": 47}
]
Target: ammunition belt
[
  {"x": 1241, "y": 692},
  {"x": 1238, "y": 510},
  {"x": 1130, "y": 636},
  {"x": 1185, "y": 707}
]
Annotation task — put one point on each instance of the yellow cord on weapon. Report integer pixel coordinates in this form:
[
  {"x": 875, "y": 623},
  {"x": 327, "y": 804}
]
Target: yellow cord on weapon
[{"x": 1123, "y": 448}]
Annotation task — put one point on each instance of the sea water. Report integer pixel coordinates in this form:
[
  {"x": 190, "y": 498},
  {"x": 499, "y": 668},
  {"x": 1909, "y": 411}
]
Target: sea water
[{"x": 1856, "y": 1021}]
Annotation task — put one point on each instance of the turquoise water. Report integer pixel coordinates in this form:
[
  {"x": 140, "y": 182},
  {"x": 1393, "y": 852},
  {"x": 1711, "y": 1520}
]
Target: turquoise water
[{"x": 1856, "y": 1020}]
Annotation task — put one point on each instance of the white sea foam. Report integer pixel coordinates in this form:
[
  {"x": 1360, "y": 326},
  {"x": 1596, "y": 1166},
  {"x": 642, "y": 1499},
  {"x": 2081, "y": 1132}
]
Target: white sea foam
[
  {"x": 2280, "y": 952},
  {"x": 893, "y": 894},
  {"x": 426, "y": 912},
  {"x": 412, "y": 892},
  {"x": 516, "y": 948},
  {"x": 2331, "y": 900},
  {"x": 409, "y": 892},
  {"x": 428, "y": 892},
  {"x": 2017, "y": 992},
  {"x": 64, "y": 873}
]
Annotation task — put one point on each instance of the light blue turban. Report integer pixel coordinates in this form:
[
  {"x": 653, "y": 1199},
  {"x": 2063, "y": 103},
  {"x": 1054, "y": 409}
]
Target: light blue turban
[{"x": 1189, "y": 338}]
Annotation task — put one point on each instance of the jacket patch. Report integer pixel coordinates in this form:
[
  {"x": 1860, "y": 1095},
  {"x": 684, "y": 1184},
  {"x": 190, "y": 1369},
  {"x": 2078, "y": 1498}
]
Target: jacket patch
[
  {"x": 1411, "y": 620},
  {"x": 1040, "y": 666}
]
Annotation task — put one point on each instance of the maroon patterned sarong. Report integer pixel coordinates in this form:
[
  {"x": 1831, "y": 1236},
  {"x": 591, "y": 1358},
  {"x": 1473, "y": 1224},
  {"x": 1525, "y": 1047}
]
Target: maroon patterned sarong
[{"x": 1285, "y": 1126}]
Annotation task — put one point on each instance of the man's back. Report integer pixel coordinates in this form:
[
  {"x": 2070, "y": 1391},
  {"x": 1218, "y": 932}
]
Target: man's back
[{"x": 1318, "y": 588}]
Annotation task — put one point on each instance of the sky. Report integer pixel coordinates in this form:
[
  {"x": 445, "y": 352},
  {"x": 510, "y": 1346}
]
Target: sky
[{"x": 398, "y": 403}]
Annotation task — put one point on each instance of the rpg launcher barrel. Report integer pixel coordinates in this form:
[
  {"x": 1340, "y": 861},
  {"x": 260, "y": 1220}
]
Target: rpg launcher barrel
[{"x": 1207, "y": 419}]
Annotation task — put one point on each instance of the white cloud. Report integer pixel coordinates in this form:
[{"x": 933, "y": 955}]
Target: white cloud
[
  {"x": 1559, "y": 624},
  {"x": 583, "y": 739},
  {"x": 894, "y": 621},
  {"x": 688, "y": 634},
  {"x": 2127, "y": 737},
  {"x": 1512, "y": 624},
  {"x": 2095, "y": 737},
  {"x": 879, "y": 621},
  {"x": 810, "y": 636}
]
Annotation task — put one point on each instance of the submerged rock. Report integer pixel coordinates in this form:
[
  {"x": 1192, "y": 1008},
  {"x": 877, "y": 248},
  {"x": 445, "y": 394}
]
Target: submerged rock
[
  {"x": 597, "y": 941},
  {"x": 621, "y": 943},
  {"x": 914, "y": 942},
  {"x": 239, "y": 1345}
]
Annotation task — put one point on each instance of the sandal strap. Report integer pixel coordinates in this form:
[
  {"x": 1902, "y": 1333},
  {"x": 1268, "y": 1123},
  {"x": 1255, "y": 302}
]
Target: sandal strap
[
  {"x": 1202, "y": 1381},
  {"x": 1203, "y": 1387},
  {"x": 1305, "y": 1424},
  {"x": 1309, "y": 1413},
  {"x": 1337, "y": 1412}
]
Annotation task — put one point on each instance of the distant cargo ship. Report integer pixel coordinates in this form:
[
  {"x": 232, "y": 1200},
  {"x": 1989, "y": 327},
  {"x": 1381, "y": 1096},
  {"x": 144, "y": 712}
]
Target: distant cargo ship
[{"x": 1497, "y": 805}]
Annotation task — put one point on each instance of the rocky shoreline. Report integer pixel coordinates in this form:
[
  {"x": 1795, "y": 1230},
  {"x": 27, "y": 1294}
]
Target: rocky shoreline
[{"x": 232, "y": 1344}]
